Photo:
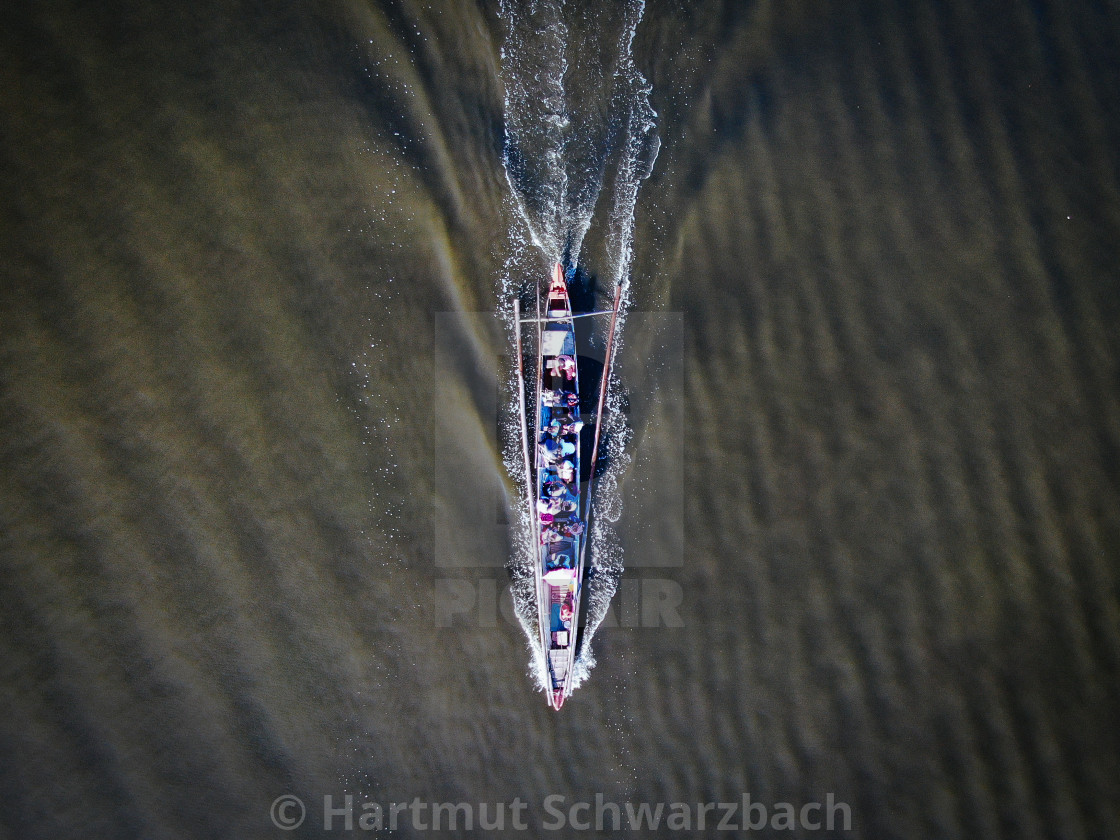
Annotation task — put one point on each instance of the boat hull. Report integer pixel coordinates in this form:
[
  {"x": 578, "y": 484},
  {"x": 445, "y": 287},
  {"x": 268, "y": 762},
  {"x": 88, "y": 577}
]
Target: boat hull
[
  {"x": 559, "y": 528},
  {"x": 551, "y": 450}
]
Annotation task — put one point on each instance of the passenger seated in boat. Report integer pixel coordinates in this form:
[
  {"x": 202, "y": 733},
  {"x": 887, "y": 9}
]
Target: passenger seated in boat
[
  {"x": 571, "y": 428},
  {"x": 555, "y": 510},
  {"x": 564, "y": 414},
  {"x": 567, "y": 608},
  {"x": 559, "y": 507},
  {"x": 563, "y": 367},
  {"x": 550, "y": 451},
  {"x": 556, "y": 398},
  {"x": 559, "y": 430},
  {"x": 569, "y": 529},
  {"x": 560, "y": 617},
  {"x": 560, "y": 561},
  {"x": 556, "y": 489},
  {"x": 566, "y": 471},
  {"x": 549, "y": 534}
]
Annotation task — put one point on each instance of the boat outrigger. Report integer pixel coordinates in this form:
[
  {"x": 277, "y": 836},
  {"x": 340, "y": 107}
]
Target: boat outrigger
[{"x": 553, "y": 491}]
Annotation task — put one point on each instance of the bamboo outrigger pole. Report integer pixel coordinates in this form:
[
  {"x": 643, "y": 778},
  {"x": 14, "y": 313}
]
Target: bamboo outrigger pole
[
  {"x": 533, "y": 518},
  {"x": 603, "y": 383},
  {"x": 524, "y": 428}
]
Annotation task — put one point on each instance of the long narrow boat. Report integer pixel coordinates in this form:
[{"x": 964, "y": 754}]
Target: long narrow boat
[{"x": 553, "y": 490}]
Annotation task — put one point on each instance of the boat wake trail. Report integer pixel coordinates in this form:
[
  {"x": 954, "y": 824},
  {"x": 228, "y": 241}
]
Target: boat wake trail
[{"x": 579, "y": 128}]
